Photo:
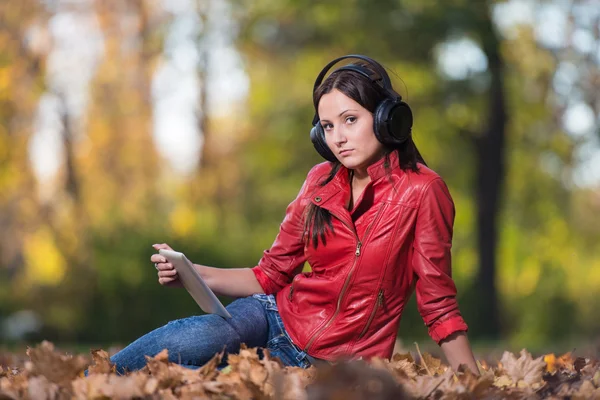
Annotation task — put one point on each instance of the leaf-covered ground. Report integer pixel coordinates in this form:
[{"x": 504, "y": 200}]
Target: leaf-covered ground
[{"x": 50, "y": 374}]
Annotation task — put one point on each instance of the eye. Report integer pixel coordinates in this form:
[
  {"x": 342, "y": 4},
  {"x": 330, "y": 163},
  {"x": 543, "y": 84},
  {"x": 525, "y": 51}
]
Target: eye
[
  {"x": 350, "y": 119},
  {"x": 327, "y": 126}
]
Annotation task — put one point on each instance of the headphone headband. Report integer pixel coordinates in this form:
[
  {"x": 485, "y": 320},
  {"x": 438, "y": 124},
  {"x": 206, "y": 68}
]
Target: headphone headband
[{"x": 387, "y": 83}]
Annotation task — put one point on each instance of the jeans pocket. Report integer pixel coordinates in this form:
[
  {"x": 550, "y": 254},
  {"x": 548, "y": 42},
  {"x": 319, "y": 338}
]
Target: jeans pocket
[
  {"x": 281, "y": 347},
  {"x": 267, "y": 300}
]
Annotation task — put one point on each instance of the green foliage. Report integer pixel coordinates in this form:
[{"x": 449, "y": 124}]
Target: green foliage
[{"x": 95, "y": 245}]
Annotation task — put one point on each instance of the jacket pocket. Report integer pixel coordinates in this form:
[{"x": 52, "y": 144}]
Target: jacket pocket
[{"x": 378, "y": 303}]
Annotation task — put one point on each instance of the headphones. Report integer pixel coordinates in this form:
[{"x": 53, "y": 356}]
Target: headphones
[{"x": 392, "y": 119}]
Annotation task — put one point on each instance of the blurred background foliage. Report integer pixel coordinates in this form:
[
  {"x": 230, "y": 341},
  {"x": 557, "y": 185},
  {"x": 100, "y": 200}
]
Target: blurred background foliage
[{"x": 128, "y": 123}]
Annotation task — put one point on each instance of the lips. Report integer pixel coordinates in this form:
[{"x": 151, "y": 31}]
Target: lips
[{"x": 345, "y": 152}]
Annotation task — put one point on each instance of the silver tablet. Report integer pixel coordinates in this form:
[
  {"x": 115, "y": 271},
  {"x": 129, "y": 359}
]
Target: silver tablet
[{"x": 194, "y": 283}]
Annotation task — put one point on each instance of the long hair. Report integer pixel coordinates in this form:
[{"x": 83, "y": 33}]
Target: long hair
[{"x": 369, "y": 95}]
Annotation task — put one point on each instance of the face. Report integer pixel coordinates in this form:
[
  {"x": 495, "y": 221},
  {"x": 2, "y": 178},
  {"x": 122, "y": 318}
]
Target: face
[{"x": 348, "y": 130}]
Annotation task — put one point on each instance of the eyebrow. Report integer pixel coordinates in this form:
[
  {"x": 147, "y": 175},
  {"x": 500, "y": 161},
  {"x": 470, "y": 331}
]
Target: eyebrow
[{"x": 342, "y": 113}]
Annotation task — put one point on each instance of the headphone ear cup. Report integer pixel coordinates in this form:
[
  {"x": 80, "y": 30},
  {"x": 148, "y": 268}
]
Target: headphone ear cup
[
  {"x": 392, "y": 122},
  {"x": 317, "y": 137}
]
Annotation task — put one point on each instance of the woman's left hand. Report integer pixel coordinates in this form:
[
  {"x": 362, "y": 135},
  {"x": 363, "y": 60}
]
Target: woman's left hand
[{"x": 167, "y": 275}]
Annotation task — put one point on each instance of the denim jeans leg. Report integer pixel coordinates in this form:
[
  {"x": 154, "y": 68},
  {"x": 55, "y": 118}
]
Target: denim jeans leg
[
  {"x": 195, "y": 340},
  {"x": 280, "y": 343}
]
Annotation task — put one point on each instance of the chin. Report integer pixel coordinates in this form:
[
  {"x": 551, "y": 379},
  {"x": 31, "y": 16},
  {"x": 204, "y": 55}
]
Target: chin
[{"x": 350, "y": 164}]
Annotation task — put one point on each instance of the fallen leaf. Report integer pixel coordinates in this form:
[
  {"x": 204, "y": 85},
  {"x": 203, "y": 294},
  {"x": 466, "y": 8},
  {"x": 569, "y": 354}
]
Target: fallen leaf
[
  {"x": 596, "y": 378},
  {"x": 168, "y": 374},
  {"x": 524, "y": 368},
  {"x": 406, "y": 356},
  {"x": 433, "y": 365},
  {"x": 579, "y": 364},
  {"x": 424, "y": 386},
  {"x": 41, "y": 389},
  {"x": 57, "y": 368},
  {"x": 503, "y": 381},
  {"x": 101, "y": 363},
  {"x": 550, "y": 360}
]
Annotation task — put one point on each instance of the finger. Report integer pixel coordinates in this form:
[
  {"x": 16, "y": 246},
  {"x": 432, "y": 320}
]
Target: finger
[
  {"x": 167, "y": 274},
  {"x": 162, "y": 246},
  {"x": 164, "y": 281},
  {"x": 164, "y": 266},
  {"x": 157, "y": 258}
]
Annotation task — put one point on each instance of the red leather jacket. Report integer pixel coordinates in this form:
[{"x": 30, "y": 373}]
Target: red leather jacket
[{"x": 395, "y": 240}]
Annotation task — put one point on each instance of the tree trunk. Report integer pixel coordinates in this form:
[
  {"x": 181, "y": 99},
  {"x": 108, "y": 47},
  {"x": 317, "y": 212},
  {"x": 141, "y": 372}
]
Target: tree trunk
[{"x": 490, "y": 148}]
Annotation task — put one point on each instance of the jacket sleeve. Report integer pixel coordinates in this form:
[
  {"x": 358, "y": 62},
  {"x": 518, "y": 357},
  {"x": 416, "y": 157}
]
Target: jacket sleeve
[
  {"x": 285, "y": 258},
  {"x": 435, "y": 289}
]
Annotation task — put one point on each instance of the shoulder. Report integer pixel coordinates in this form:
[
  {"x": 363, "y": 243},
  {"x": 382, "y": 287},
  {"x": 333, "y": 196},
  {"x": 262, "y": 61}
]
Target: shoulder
[
  {"x": 425, "y": 181},
  {"x": 318, "y": 171},
  {"x": 315, "y": 176}
]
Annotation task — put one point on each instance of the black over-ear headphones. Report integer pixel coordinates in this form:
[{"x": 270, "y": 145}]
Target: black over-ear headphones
[{"x": 392, "y": 119}]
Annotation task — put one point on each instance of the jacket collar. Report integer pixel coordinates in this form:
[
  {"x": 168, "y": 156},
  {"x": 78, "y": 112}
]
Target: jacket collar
[
  {"x": 341, "y": 181},
  {"x": 377, "y": 169}
]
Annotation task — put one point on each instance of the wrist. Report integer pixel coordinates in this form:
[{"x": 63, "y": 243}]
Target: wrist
[{"x": 202, "y": 270}]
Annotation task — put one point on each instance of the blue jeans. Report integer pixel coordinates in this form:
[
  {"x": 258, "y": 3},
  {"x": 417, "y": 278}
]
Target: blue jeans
[{"x": 193, "y": 341}]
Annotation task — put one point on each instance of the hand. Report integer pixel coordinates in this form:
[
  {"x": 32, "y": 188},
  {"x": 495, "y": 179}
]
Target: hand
[{"x": 167, "y": 275}]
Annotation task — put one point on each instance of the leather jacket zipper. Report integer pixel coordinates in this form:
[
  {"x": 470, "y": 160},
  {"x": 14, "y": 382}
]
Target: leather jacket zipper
[
  {"x": 356, "y": 254},
  {"x": 379, "y": 303},
  {"x": 291, "y": 292}
]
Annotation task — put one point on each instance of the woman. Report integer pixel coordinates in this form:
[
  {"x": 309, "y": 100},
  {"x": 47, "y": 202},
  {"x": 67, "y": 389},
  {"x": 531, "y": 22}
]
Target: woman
[{"x": 373, "y": 222}]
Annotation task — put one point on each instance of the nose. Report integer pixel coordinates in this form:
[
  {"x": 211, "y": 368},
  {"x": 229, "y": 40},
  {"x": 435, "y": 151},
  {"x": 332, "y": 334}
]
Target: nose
[{"x": 339, "y": 137}]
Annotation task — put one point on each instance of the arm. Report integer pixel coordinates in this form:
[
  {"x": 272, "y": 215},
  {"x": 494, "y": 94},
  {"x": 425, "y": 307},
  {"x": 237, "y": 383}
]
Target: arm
[
  {"x": 435, "y": 289},
  {"x": 274, "y": 271},
  {"x": 233, "y": 282},
  {"x": 286, "y": 257},
  {"x": 457, "y": 351}
]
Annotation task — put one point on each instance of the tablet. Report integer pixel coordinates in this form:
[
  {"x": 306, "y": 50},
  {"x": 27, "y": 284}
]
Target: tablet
[{"x": 194, "y": 284}]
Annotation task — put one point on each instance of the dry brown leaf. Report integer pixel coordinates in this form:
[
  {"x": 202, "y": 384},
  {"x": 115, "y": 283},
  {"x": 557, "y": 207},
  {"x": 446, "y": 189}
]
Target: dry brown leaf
[
  {"x": 8, "y": 395},
  {"x": 474, "y": 385},
  {"x": 587, "y": 390},
  {"x": 424, "y": 386},
  {"x": 564, "y": 362},
  {"x": 294, "y": 388},
  {"x": 167, "y": 374},
  {"x": 209, "y": 370},
  {"x": 101, "y": 363},
  {"x": 354, "y": 380},
  {"x": 596, "y": 378},
  {"x": 400, "y": 368},
  {"x": 57, "y": 368},
  {"x": 550, "y": 360},
  {"x": 15, "y": 383},
  {"x": 41, "y": 389},
  {"x": 251, "y": 377},
  {"x": 114, "y": 386},
  {"x": 503, "y": 381},
  {"x": 399, "y": 356},
  {"x": 579, "y": 364},
  {"x": 524, "y": 368},
  {"x": 433, "y": 365}
]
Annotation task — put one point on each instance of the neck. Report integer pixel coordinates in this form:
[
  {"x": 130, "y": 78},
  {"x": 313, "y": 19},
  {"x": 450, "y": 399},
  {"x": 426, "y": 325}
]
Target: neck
[{"x": 360, "y": 176}]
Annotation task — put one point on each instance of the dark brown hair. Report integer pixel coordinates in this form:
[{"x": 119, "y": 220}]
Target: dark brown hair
[{"x": 369, "y": 95}]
